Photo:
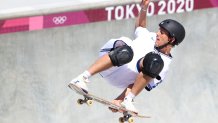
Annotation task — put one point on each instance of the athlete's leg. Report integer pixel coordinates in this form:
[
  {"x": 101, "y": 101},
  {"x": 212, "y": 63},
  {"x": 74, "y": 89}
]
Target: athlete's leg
[
  {"x": 100, "y": 64},
  {"x": 151, "y": 66},
  {"x": 116, "y": 55},
  {"x": 141, "y": 81},
  {"x": 120, "y": 54}
]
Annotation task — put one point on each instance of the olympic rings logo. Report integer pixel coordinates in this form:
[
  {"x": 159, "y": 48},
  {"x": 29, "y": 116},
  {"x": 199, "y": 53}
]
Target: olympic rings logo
[{"x": 59, "y": 20}]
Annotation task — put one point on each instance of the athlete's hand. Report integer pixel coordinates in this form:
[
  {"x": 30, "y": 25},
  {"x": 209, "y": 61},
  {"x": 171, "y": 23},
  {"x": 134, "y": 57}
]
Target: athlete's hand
[
  {"x": 144, "y": 4},
  {"x": 116, "y": 102}
]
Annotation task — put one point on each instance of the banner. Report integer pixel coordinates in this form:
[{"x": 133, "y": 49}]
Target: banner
[{"x": 110, "y": 13}]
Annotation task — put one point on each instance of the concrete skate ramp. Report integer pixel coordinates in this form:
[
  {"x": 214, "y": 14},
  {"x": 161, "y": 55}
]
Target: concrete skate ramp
[{"x": 37, "y": 66}]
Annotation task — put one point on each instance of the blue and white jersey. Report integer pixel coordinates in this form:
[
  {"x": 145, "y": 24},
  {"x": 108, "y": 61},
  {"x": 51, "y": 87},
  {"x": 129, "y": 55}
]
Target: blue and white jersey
[{"x": 142, "y": 44}]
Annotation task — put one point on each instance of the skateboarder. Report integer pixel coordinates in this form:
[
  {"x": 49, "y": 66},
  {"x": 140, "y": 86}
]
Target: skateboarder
[{"x": 138, "y": 64}]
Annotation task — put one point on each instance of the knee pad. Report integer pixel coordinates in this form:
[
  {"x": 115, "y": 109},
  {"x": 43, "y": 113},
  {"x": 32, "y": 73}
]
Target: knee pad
[
  {"x": 152, "y": 64},
  {"x": 121, "y": 55}
]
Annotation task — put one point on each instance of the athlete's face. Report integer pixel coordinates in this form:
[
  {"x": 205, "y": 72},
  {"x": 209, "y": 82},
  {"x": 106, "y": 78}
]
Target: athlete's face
[{"x": 162, "y": 37}]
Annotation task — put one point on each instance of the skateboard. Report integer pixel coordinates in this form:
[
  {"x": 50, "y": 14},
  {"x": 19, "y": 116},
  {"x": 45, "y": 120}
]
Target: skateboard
[{"x": 89, "y": 98}]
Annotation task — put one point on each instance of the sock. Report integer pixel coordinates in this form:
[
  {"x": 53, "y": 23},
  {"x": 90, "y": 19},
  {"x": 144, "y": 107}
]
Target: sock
[
  {"x": 130, "y": 96},
  {"x": 86, "y": 74}
]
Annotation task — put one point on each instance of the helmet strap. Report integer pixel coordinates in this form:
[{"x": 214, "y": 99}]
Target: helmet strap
[
  {"x": 162, "y": 46},
  {"x": 166, "y": 44}
]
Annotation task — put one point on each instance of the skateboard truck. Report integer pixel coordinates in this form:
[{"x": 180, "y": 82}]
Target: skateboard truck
[
  {"x": 87, "y": 100},
  {"x": 126, "y": 117}
]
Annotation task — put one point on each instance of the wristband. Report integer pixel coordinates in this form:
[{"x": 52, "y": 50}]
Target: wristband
[{"x": 143, "y": 9}]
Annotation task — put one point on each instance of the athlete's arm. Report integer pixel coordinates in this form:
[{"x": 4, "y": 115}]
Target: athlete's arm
[{"x": 142, "y": 16}]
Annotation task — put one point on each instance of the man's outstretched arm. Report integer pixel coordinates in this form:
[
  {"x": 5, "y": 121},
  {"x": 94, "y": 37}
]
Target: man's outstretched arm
[{"x": 142, "y": 16}]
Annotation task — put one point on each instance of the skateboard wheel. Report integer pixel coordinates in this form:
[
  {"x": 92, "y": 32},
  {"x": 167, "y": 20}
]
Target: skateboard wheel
[
  {"x": 89, "y": 102},
  {"x": 80, "y": 101},
  {"x": 121, "y": 120},
  {"x": 130, "y": 120}
]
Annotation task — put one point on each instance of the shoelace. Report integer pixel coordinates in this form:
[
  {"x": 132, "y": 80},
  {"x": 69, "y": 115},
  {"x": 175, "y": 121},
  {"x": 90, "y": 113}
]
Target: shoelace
[{"x": 85, "y": 79}]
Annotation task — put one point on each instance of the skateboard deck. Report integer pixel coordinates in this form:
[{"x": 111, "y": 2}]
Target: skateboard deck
[{"x": 88, "y": 98}]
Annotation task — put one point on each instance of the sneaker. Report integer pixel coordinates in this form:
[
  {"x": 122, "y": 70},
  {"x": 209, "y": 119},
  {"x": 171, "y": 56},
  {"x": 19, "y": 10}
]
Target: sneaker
[
  {"x": 80, "y": 82},
  {"x": 129, "y": 105}
]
